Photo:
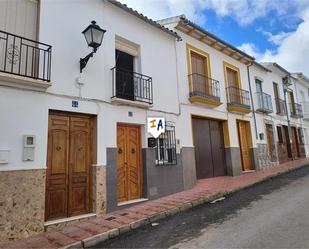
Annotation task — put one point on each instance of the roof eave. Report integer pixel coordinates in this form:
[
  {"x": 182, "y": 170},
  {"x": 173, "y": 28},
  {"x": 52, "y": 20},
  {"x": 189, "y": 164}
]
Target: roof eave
[
  {"x": 200, "y": 29},
  {"x": 144, "y": 18}
]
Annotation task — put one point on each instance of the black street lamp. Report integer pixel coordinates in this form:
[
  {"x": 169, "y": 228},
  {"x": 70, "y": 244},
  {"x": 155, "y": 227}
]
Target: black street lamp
[{"x": 94, "y": 37}]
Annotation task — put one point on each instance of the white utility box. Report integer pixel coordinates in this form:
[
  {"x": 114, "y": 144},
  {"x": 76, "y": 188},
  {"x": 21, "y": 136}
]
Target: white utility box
[{"x": 29, "y": 147}]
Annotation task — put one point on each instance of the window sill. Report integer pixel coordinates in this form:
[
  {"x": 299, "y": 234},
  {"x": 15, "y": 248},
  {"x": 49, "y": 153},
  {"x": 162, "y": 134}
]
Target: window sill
[
  {"x": 130, "y": 102},
  {"x": 23, "y": 82}
]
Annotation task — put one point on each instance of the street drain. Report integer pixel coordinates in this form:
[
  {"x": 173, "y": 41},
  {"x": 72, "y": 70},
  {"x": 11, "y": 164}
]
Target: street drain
[{"x": 110, "y": 218}]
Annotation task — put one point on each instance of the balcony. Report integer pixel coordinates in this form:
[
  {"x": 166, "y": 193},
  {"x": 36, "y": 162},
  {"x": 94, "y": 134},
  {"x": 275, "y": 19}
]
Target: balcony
[
  {"x": 238, "y": 100},
  {"x": 204, "y": 90},
  {"x": 280, "y": 106},
  {"x": 264, "y": 104},
  {"x": 305, "y": 106},
  {"x": 131, "y": 88},
  {"x": 24, "y": 62},
  {"x": 296, "y": 110}
]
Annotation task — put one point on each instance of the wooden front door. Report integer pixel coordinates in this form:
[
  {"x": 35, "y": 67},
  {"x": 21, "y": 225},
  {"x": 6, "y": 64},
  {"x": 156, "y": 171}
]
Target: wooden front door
[
  {"x": 199, "y": 73},
  {"x": 209, "y": 148},
  {"x": 288, "y": 143},
  {"x": 244, "y": 145},
  {"x": 295, "y": 149},
  {"x": 129, "y": 182},
  {"x": 270, "y": 141},
  {"x": 68, "y": 178}
]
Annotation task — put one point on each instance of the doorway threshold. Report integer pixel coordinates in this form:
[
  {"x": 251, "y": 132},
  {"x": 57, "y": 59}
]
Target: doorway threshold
[
  {"x": 131, "y": 202},
  {"x": 248, "y": 171},
  {"x": 64, "y": 220}
]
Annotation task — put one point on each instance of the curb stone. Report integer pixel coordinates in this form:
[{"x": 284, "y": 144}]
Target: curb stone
[
  {"x": 92, "y": 241},
  {"x": 158, "y": 216},
  {"x": 139, "y": 223},
  {"x": 75, "y": 245},
  {"x": 113, "y": 233}
]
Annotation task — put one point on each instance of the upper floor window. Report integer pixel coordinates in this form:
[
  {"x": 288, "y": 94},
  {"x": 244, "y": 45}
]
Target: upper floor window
[
  {"x": 128, "y": 83},
  {"x": 232, "y": 75},
  {"x": 258, "y": 84},
  {"x": 20, "y": 17}
]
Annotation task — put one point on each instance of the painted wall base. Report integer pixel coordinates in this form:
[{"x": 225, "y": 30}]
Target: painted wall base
[
  {"x": 233, "y": 161},
  {"x": 158, "y": 181}
]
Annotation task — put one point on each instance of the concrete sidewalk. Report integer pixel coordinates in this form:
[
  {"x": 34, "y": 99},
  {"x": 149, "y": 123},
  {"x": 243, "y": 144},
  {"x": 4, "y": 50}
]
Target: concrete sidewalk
[{"x": 95, "y": 230}]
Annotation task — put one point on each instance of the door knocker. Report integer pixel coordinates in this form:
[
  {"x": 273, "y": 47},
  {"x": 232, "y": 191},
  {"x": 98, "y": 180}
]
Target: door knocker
[
  {"x": 133, "y": 151},
  {"x": 119, "y": 151},
  {"x": 58, "y": 148}
]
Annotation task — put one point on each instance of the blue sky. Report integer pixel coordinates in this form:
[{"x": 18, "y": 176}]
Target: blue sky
[
  {"x": 269, "y": 30},
  {"x": 228, "y": 29}
]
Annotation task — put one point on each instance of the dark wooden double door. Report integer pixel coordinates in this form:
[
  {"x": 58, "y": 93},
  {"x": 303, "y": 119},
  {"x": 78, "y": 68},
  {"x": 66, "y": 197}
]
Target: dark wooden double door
[
  {"x": 209, "y": 148},
  {"x": 68, "y": 178},
  {"x": 129, "y": 180}
]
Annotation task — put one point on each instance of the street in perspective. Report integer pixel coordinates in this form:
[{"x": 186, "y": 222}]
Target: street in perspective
[
  {"x": 271, "y": 214},
  {"x": 154, "y": 124}
]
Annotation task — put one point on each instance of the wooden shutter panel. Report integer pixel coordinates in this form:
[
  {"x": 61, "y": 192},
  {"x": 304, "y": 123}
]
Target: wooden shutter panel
[{"x": 19, "y": 17}]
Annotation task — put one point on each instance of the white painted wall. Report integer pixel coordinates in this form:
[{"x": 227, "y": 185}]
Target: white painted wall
[{"x": 26, "y": 112}]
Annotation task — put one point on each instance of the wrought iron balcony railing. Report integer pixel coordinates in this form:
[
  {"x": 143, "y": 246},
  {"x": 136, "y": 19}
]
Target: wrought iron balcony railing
[
  {"x": 296, "y": 110},
  {"x": 238, "y": 97},
  {"x": 24, "y": 57},
  {"x": 305, "y": 106},
  {"x": 280, "y": 106},
  {"x": 132, "y": 86},
  {"x": 264, "y": 103},
  {"x": 204, "y": 87}
]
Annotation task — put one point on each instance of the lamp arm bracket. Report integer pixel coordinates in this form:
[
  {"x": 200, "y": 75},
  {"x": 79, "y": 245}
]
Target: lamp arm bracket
[{"x": 83, "y": 61}]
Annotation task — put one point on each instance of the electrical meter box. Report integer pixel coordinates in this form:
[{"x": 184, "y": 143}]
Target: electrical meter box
[{"x": 29, "y": 147}]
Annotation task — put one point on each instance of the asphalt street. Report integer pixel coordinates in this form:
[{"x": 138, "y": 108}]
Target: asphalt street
[{"x": 271, "y": 214}]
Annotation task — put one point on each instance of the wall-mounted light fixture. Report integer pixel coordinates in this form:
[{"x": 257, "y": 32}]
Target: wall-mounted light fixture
[{"x": 94, "y": 37}]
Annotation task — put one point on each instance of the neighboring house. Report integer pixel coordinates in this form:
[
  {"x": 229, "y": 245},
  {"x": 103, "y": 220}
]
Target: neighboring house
[
  {"x": 302, "y": 95},
  {"x": 215, "y": 101},
  {"x": 278, "y": 114},
  {"x": 74, "y": 146}
]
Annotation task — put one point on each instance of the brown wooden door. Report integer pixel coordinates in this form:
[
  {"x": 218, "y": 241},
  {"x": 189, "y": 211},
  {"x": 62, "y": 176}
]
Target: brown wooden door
[
  {"x": 68, "y": 166},
  {"x": 270, "y": 141},
  {"x": 244, "y": 145},
  {"x": 199, "y": 73},
  {"x": 287, "y": 140},
  {"x": 129, "y": 180},
  {"x": 295, "y": 149},
  {"x": 209, "y": 148}
]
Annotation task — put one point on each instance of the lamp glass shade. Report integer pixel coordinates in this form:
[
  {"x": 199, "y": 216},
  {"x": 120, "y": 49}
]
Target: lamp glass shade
[{"x": 94, "y": 35}]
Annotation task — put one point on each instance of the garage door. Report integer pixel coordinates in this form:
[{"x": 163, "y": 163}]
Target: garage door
[{"x": 209, "y": 148}]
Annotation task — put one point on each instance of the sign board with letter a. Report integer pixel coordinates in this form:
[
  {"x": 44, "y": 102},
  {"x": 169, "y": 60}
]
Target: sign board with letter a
[{"x": 155, "y": 126}]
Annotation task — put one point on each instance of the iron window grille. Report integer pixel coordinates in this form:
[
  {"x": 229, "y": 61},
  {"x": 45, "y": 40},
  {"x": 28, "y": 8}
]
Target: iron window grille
[
  {"x": 280, "y": 136},
  {"x": 166, "y": 147},
  {"x": 301, "y": 135}
]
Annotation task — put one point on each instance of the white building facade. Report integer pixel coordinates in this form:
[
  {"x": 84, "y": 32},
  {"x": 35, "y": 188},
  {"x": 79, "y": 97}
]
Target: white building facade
[
  {"x": 215, "y": 101},
  {"x": 76, "y": 145}
]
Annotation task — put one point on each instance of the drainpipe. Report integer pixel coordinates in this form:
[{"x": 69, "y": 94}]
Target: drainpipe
[
  {"x": 253, "y": 110},
  {"x": 285, "y": 90}
]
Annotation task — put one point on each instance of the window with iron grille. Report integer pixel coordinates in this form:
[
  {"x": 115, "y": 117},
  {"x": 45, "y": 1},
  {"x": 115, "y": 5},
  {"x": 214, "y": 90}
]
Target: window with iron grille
[
  {"x": 280, "y": 137},
  {"x": 300, "y": 135},
  {"x": 166, "y": 147}
]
